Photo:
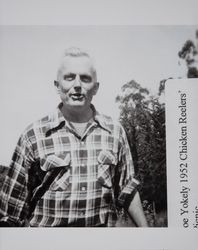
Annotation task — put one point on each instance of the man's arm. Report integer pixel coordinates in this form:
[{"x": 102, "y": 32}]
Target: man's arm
[
  {"x": 14, "y": 192},
  {"x": 136, "y": 212},
  {"x": 129, "y": 197}
]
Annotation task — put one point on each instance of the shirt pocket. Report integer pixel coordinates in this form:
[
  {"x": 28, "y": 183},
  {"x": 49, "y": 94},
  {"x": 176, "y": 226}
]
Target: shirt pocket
[
  {"x": 106, "y": 168},
  {"x": 58, "y": 167}
]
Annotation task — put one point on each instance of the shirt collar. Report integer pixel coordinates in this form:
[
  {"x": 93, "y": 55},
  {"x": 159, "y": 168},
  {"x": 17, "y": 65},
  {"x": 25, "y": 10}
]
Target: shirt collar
[
  {"x": 57, "y": 120},
  {"x": 99, "y": 119}
]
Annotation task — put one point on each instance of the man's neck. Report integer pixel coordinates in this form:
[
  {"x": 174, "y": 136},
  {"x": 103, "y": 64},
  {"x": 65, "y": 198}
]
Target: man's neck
[{"x": 77, "y": 115}]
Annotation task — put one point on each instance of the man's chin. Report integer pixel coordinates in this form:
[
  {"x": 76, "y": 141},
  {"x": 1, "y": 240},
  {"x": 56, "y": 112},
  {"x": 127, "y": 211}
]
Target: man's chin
[{"x": 76, "y": 105}]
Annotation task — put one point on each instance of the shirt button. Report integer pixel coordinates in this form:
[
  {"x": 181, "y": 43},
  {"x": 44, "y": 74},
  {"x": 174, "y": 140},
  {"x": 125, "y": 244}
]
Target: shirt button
[
  {"x": 82, "y": 143},
  {"x": 83, "y": 188},
  {"x": 82, "y": 213},
  {"x": 83, "y": 165}
]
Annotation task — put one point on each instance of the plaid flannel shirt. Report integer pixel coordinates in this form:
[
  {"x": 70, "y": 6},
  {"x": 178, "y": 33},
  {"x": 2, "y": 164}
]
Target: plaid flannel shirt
[{"x": 94, "y": 174}]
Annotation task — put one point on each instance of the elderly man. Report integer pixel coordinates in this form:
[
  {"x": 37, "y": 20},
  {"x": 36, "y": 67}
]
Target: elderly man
[{"x": 72, "y": 167}]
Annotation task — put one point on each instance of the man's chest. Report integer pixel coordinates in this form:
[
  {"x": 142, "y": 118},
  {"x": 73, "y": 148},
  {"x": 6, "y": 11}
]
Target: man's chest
[
  {"x": 80, "y": 150},
  {"x": 78, "y": 161}
]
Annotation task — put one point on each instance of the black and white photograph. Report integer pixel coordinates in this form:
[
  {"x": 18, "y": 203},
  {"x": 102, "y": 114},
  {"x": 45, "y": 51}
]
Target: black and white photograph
[
  {"x": 98, "y": 125},
  {"x": 88, "y": 145}
]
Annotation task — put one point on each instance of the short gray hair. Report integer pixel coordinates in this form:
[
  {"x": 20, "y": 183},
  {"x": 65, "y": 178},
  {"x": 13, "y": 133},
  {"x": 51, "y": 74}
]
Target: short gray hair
[{"x": 77, "y": 52}]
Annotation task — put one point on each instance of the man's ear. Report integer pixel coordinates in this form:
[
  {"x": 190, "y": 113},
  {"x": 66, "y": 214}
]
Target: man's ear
[
  {"x": 96, "y": 87},
  {"x": 56, "y": 84}
]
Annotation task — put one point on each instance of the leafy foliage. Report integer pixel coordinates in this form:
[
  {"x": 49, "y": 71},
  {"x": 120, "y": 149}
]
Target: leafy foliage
[
  {"x": 143, "y": 118},
  {"x": 189, "y": 53},
  {"x": 3, "y": 172}
]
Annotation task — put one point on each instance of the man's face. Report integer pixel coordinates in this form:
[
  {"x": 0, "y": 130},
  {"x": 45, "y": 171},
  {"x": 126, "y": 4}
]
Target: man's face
[{"x": 76, "y": 82}]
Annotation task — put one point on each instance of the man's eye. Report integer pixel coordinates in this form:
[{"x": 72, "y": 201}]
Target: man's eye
[
  {"x": 86, "y": 78},
  {"x": 69, "y": 77}
]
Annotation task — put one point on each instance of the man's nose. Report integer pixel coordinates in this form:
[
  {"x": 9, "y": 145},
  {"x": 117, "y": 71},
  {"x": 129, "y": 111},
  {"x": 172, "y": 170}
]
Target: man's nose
[{"x": 77, "y": 81}]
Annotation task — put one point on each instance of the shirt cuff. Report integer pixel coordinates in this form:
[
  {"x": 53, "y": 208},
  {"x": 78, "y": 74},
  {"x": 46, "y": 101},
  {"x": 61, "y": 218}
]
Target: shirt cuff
[{"x": 127, "y": 194}]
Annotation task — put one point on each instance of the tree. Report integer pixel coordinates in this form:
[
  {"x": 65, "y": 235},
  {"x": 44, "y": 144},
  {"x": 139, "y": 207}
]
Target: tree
[
  {"x": 143, "y": 118},
  {"x": 189, "y": 53},
  {"x": 3, "y": 172}
]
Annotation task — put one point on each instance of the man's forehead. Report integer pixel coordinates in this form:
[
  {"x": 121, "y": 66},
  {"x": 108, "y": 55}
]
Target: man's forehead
[
  {"x": 77, "y": 65},
  {"x": 71, "y": 62}
]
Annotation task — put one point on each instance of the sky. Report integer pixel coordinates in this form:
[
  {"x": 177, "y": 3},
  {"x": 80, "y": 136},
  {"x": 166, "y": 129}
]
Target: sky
[{"x": 30, "y": 56}]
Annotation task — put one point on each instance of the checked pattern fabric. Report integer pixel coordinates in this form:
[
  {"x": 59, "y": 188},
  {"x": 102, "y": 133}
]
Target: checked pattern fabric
[{"x": 94, "y": 174}]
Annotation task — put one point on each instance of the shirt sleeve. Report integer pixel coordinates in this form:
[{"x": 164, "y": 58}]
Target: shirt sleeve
[
  {"x": 127, "y": 183},
  {"x": 14, "y": 192}
]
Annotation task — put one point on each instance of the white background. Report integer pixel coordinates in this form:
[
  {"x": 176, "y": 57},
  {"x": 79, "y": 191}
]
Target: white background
[{"x": 173, "y": 113}]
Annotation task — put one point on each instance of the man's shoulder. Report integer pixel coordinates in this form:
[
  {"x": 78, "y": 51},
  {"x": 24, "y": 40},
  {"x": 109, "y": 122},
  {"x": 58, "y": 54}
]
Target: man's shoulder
[
  {"x": 110, "y": 122},
  {"x": 42, "y": 125},
  {"x": 108, "y": 119}
]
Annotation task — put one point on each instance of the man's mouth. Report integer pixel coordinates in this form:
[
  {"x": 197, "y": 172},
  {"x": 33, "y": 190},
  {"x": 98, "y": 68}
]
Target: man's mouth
[{"x": 77, "y": 96}]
